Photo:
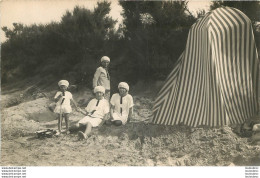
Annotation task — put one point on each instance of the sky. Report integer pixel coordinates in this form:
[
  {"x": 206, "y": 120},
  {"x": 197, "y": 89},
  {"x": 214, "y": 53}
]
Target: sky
[{"x": 45, "y": 11}]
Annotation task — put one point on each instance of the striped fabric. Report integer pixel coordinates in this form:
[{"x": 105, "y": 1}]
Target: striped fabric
[{"x": 216, "y": 79}]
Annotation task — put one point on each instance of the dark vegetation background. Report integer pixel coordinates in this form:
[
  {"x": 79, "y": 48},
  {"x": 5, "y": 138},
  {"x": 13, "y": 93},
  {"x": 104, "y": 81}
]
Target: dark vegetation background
[{"x": 143, "y": 48}]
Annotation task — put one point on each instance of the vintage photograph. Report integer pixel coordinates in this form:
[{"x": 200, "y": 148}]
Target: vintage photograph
[{"x": 130, "y": 83}]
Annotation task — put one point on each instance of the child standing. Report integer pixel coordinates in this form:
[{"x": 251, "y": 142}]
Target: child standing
[
  {"x": 122, "y": 104},
  {"x": 63, "y": 107},
  {"x": 102, "y": 78},
  {"x": 97, "y": 112}
]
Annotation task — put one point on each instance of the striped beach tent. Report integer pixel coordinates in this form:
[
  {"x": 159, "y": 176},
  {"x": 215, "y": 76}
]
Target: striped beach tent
[{"x": 215, "y": 81}]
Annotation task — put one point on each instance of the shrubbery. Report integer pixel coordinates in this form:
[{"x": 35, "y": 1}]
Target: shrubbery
[{"x": 144, "y": 47}]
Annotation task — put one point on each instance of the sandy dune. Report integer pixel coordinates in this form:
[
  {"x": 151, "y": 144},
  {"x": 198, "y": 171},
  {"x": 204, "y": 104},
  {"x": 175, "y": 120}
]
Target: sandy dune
[{"x": 135, "y": 144}]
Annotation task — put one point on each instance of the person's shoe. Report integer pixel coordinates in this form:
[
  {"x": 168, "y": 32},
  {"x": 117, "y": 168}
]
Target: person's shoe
[
  {"x": 81, "y": 135},
  {"x": 57, "y": 133},
  {"x": 67, "y": 132}
]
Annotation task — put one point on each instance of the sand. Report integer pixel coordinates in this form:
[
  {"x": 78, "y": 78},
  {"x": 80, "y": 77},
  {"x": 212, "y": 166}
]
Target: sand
[{"x": 138, "y": 143}]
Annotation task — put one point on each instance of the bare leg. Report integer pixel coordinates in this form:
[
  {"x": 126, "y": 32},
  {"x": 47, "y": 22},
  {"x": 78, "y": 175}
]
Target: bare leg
[
  {"x": 88, "y": 129},
  {"x": 67, "y": 122},
  {"x": 60, "y": 123}
]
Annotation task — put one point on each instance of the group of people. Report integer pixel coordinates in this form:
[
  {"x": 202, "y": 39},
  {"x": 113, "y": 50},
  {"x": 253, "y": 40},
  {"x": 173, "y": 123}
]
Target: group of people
[{"x": 117, "y": 111}]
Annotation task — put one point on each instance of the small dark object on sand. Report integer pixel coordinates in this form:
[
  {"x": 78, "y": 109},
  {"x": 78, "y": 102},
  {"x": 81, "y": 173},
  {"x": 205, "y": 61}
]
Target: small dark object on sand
[{"x": 46, "y": 133}]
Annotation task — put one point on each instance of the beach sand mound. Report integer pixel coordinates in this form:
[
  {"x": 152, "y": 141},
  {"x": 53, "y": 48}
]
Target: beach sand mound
[{"x": 137, "y": 143}]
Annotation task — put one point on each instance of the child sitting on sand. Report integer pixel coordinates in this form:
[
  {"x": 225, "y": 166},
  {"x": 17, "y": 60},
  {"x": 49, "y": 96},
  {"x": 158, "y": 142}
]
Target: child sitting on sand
[
  {"x": 97, "y": 112},
  {"x": 122, "y": 104},
  {"x": 63, "y": 108}
]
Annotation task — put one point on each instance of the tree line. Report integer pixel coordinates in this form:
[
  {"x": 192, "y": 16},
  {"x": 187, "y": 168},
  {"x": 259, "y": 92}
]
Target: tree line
[{"x": 144, "y": 47}]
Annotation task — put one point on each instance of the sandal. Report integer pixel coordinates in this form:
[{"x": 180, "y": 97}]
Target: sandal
[{"x": 57, "y": 133}]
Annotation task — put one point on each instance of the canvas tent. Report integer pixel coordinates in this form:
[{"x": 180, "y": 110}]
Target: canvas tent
[{"x": 216, "y": 79}]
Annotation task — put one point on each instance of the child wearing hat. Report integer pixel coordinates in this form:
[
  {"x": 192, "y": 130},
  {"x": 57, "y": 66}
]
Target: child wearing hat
[
  {"x": 101, "y": 76},
  {"x": 122, "y": 104},
  {"x": 63, "y": 107},
  {"x": 96, "y": 111}
]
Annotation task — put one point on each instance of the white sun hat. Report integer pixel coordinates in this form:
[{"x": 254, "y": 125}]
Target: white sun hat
[
  {"x": 123, "y": 85},
  {"x": 99, "y": 89},
  {"x": 63, "y": 82},
  {"x": 105, "y": 58}
]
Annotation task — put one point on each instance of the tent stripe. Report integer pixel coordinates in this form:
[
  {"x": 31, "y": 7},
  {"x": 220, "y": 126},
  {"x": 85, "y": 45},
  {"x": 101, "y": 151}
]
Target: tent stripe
[
  {"x": 238, "y": 49},
  {"x": 216, "y": 79},
  {"x": 216, "y": 55},
  {"x": 242, "y": 87},
  {"x": 230, "y": 64},
  {"x": 196, "y": 81}
]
